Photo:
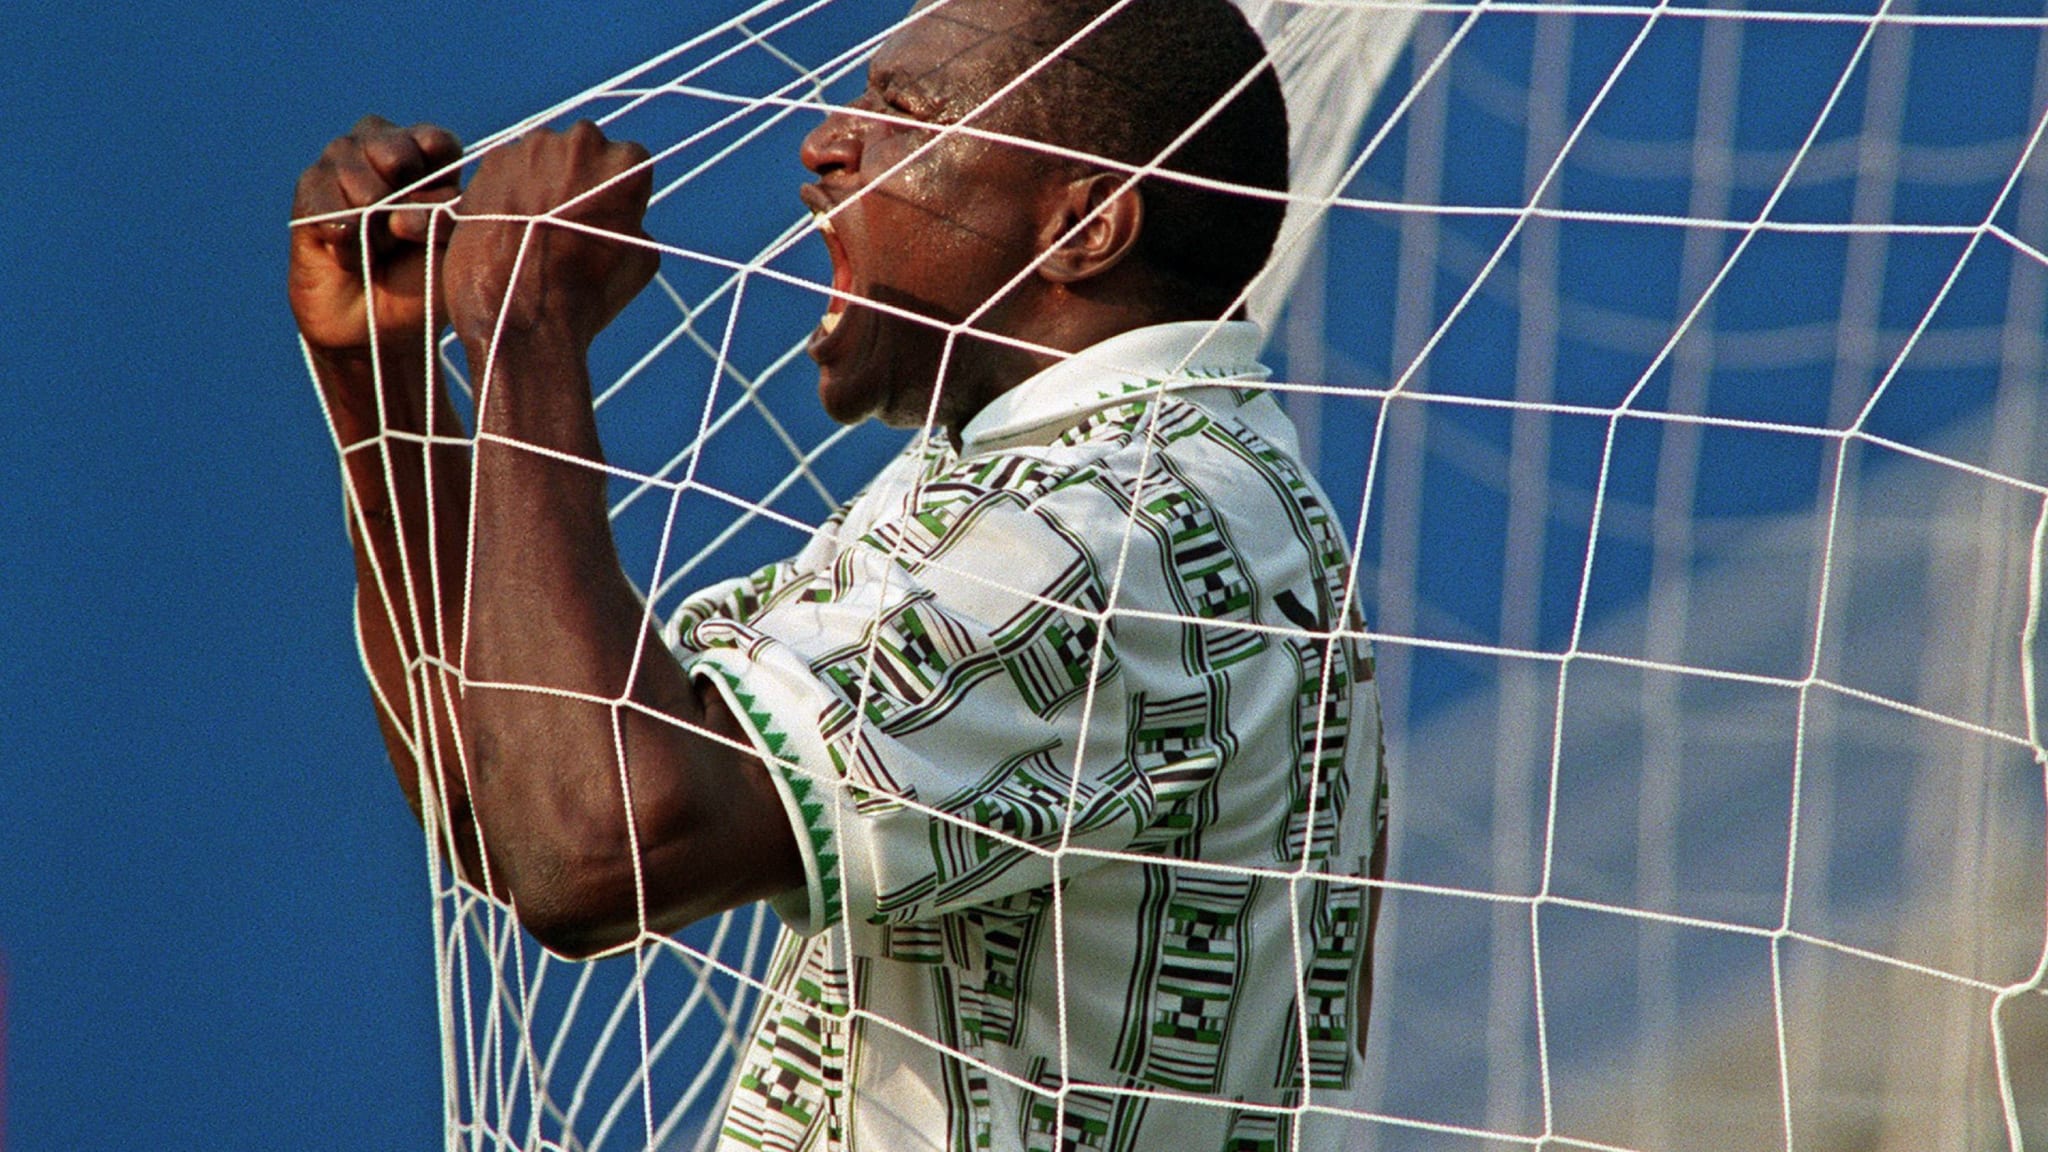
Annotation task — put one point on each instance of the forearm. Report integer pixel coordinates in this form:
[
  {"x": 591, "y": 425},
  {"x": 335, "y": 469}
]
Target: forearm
[
  {"x": 612, "y": 798},
  {"x": 405, "y": 472},
  {"x": 583, "y": 730}
]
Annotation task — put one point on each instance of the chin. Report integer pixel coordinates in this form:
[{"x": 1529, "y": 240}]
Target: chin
[
  {"x": 850, "y": 400},
  {"x": 872, "y": 368},
  {"x": 851, "y": 397},
  {"x": 843, "y": 404}
]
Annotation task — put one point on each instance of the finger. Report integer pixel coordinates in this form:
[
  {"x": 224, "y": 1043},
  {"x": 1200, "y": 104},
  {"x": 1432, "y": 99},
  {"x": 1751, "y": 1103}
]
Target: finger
[
  {"x": 406, "y": 156},
  {"x": 333, "y": 235},
  {"x": 359, "y": 183},
  {"x": 415, "y": 225},
  {"x": 354, "y": 182},
  {"x": 440, "y": 146},
  {"x": 403, "y": 155},
  {"x": 324, "y": 192},
  {"x": 395, "y": 156},
  {"x": 362, "y": 186},
  {"x": 355, "y": 170},
  {"x": 640, "y": 184},
  {"x": 316, "y": 193}
]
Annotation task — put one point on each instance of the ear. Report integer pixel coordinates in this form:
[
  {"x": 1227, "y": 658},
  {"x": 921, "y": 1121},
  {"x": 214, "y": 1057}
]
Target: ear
[{"x": 1091, "y": 228}]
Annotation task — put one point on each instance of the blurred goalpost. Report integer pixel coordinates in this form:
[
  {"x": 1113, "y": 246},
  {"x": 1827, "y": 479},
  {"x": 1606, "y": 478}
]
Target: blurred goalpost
[{"x": 1679, "y": 371}]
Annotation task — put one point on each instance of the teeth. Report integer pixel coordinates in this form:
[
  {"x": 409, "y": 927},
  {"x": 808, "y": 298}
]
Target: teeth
[{"x": 830, "y": 320}]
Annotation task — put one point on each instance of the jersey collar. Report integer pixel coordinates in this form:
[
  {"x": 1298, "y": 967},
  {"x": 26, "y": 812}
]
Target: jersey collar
[{"x": 1165, "y": 357}]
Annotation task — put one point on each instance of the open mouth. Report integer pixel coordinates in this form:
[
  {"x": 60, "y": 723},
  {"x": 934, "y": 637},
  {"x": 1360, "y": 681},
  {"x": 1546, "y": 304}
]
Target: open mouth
[{"x": 842, "y": 275}]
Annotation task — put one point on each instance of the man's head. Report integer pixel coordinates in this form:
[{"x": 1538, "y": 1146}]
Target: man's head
[
  {"x": 1127, "y": 90},
  {"x": 963, "y": 234}
]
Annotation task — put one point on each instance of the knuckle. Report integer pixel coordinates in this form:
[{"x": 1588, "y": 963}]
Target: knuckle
[
  {"x": 352, "y": 166},
  {"x": 389, "y": 152},
  {"x": 436, "y": 141},
  {"x": 313, "y": 181},
  {"x": 524, "y": 149}
]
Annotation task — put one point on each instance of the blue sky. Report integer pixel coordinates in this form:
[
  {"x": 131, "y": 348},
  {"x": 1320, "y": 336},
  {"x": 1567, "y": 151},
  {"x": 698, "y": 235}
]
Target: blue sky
[
  {"x": 211, "y": 899},
  {"x": 212, "y": 903}
]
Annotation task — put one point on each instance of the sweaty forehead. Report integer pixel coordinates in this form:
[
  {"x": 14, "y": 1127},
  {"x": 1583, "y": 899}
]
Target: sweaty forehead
[{"x": 957, "y": 50}]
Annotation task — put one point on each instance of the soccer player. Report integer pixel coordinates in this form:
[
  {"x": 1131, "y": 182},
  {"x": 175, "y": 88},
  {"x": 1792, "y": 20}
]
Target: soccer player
[{"x": 1056, "y": 750}]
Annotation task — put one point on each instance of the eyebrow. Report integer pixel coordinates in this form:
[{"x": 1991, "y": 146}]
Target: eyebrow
[{"x": 894, "y": 83}]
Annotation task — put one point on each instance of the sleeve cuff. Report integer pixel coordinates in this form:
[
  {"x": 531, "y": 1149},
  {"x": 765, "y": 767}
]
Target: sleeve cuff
[{"x": 807, "y": 799}]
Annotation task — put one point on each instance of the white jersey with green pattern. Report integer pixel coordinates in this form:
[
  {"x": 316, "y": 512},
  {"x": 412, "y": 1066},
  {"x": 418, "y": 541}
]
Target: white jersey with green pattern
[{"x": 1082, "y": 749}]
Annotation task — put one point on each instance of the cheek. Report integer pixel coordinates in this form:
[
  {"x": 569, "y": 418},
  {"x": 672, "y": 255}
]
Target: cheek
[
  {"x": 950, "y": 228},
  {"x": 954, "y": 189}
]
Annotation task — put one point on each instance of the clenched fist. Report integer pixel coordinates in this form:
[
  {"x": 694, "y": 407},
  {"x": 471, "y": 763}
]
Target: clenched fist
[
  {"x": 337, "y": 287},
  {"x": 550, "y": 240}
]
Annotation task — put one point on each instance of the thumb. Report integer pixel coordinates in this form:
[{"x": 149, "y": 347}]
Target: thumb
[{"x": 414, "y": 221}]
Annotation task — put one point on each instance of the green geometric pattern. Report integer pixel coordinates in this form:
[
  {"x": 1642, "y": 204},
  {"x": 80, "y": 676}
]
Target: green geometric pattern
[
  {"x": 815, "y": 805},
  {"x": 1043, "y": 715}
]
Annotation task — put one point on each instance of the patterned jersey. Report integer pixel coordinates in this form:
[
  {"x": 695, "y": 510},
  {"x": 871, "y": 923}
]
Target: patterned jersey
[{"x": 1082, "y": 749}]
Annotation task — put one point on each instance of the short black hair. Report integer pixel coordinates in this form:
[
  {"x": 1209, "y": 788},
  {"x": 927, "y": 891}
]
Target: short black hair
[{"x": 1132, "y": 86}]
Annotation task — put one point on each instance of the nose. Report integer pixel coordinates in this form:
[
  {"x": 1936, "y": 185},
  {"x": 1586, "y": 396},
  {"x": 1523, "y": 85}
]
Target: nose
[{"x": 833, "y": 146}]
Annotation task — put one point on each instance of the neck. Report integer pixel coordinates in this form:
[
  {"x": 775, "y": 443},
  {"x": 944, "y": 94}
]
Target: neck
[{"x": 1067, "y": 323}]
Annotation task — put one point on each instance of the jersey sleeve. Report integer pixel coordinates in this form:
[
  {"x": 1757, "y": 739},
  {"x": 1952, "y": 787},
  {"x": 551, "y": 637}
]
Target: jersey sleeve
[{"x": 938, "y": 704}]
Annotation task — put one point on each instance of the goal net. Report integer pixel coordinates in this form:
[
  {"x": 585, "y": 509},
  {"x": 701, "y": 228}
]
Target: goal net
[{"x": 1678, "y": 372}]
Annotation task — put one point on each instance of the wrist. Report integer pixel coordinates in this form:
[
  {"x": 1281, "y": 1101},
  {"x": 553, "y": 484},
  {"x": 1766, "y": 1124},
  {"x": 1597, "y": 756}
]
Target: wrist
[
  {"x": 534, "y": 388},
  {"x": 522, "y": 338},
  {"x": 366, "y": 395}
]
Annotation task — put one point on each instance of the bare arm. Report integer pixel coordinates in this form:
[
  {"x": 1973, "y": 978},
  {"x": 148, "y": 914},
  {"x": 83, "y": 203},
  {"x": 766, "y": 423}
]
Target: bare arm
[
  {"x": 357, "y": 287},
  {"x": 583, "y": 736}
]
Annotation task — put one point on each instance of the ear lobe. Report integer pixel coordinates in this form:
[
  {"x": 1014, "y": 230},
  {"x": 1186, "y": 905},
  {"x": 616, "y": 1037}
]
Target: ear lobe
[{"x": 1095, "y": 226}]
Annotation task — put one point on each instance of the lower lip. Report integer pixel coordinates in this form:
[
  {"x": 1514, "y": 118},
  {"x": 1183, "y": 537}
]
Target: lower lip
[{"x": 823, "y": 344}]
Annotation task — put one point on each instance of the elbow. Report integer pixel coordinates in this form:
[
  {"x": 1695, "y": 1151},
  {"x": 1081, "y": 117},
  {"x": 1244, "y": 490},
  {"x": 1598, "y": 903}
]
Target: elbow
[
  {"x": 578, "y": 910},
  {"x": 559, "y": 853},
  {"x": 588, "y": 872},
  {"x": 590, "y": 901},
  {"x": 579, "y": 941},
  {"x": 570, "y": 883}
]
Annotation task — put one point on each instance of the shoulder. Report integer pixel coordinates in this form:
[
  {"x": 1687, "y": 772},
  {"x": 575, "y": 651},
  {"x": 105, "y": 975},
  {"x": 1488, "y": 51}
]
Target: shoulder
[
  {"x": 991, "y": 536},
  {"x": 1057, "y": 520},
  {"x": 1228, "y": 451}
]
